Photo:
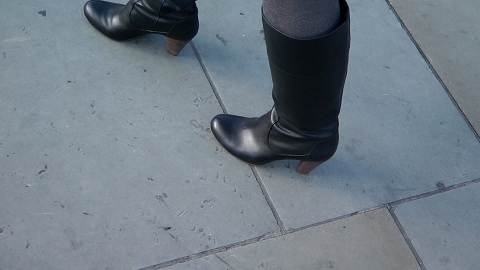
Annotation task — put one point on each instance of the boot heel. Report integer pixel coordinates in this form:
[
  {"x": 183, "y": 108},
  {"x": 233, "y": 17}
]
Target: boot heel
[
  {"x": 175, "y": 46},
  {"x": 305, "y": 167}
]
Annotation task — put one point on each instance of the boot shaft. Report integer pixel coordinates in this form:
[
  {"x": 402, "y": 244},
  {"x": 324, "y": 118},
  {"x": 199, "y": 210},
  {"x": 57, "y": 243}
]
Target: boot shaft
[{"x": 308, "y": 77}]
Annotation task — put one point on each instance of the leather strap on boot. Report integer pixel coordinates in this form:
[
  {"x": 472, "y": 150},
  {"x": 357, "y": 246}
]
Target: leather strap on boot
[{"x": 175, "y": 18}]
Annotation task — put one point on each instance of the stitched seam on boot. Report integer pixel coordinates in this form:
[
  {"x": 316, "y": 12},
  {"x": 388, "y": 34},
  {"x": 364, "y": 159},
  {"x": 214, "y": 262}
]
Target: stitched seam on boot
[{"x": 283, "y": 155}]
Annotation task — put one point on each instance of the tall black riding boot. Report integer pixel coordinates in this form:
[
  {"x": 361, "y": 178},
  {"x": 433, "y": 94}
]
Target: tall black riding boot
[
  {"x": 308, "y": 77},
  {"x": 175, "y": 19}
]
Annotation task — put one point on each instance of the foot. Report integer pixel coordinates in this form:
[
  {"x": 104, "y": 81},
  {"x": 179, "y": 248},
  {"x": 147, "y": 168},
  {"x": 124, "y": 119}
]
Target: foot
[{"x": 111, "y": 19}]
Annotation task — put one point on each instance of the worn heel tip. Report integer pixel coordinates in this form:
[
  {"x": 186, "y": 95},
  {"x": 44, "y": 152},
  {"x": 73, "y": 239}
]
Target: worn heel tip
[
  {"x": 306, "y": 167},
  {"x": 175, "y": 46}
]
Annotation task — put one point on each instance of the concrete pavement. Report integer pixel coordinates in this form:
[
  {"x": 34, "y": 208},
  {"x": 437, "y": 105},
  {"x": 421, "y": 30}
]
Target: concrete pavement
[{"x": 107, "y": 160}]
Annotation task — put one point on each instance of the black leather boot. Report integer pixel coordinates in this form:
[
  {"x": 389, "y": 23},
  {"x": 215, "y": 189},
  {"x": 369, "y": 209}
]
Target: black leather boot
[
  {"x": 175, "y": 19},
  {"x": 308, "y": 78}
]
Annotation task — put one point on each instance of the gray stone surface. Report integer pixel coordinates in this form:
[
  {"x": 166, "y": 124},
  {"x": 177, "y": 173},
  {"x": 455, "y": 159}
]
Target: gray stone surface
[
  {"x": 400, "y": 133},
  {"x": 106, "y": 157},
  {"x": 232, "y": 46},
  {"x": 448, "y": 33},
  {"x": 107, "y": 160},
  {"x": 366, "y": 241},
  {"x": 444, "y": 228}
]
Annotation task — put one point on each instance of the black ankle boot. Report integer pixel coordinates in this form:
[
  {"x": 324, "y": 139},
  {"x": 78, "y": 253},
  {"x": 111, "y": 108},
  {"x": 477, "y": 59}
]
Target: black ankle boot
[
  {"x": 175, "y": 19},
  {"x": 308, "y": 78}
]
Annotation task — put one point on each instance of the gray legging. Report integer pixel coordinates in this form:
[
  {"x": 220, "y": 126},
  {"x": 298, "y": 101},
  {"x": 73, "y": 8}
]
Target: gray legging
[{"x": 302, "y": 18}]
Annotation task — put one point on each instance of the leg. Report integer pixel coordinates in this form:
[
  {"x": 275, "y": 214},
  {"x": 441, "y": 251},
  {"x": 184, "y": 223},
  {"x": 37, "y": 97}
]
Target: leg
[
  {"x": 302, "y": 18},
  {"x": 308, "y": 74}
]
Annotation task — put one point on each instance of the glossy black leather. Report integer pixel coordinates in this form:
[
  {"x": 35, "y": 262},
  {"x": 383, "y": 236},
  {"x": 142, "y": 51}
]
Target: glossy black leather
[
  {"x": 259, "y": 140},
  {"x": 308, "y": 79},
  {"x": 176, "y": 19}
]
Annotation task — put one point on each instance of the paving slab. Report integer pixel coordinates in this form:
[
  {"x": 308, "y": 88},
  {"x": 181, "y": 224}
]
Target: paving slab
[
  {"x": 401, "y": 135},
  {"x": 365, "y": 241},
  {"x": 106, "y": 157},
  {"x": 444, "y": 228},
  {"x": 448, "y": 34},
  {"x": 232, "y": 47}
]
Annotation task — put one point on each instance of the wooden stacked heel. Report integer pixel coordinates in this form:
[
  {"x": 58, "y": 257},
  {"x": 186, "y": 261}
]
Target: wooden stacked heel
[
  {"x": 305, "y": 167},
  {"x": 175, "y": 46}
]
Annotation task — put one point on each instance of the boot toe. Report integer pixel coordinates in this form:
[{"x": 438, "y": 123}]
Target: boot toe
[
  {"x": 93, "y": 11},
  {"x": 96, "y": 13},
  {"x": 222, "y": 127},
  {"x": 244, "y": 138},
  {"x": 105, "y": 17}
]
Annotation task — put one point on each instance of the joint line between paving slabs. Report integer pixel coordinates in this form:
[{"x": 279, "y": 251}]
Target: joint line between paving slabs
[
  {"x": 209, "y": 78},
  {"x": 294, "y": 230},
  {"x": 280, "y": 224},
  {"x": 432, "y": 69},
  {"x": 247, "y": 242},
  {"x": 224, "y": 108},
  {"x": 255, "y": 240},
  {"x": 434, "y": 192},
  {"x": 210, "y": 252},
  {"x": 391, "y": 209}
]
